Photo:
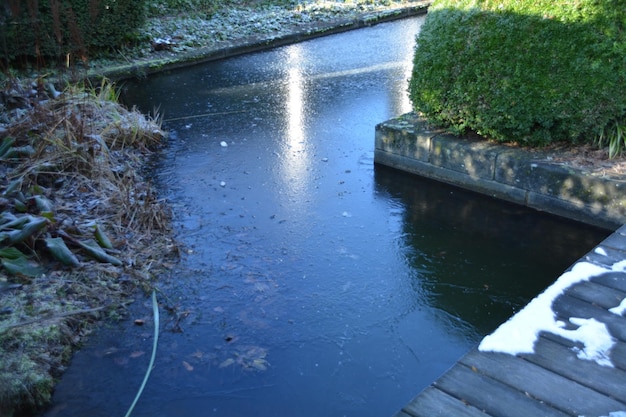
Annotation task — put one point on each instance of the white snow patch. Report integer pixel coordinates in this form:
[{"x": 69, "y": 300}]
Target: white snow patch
[
  {"x": 600, "y": 251},
  {"x": 596, "y": 339},
  {"x": 620, "y": 309},
  {"x": 520, "y": 332}
]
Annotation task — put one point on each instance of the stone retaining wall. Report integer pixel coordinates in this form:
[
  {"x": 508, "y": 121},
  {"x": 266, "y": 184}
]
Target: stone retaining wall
[{"x": 527, "y": 177}]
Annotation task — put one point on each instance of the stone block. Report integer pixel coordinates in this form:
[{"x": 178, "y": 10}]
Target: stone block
[
  {"x": 407, "y": 136},
  {"x": 475, "y": 158},
  {"x": 525, "y": 176}
]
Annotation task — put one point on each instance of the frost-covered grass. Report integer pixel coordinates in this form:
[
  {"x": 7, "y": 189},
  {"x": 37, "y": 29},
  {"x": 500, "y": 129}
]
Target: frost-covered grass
[{"x": 184, "y": 30}]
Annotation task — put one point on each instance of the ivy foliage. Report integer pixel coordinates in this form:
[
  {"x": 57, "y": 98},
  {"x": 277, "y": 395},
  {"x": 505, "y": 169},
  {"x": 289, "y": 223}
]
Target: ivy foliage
[{"x": 526, "y": 71}]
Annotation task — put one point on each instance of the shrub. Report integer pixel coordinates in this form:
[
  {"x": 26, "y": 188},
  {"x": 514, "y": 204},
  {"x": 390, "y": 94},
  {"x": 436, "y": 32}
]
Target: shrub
[
  {"x": 44, "y": 29},
  {"x": 527, "y": 71}
]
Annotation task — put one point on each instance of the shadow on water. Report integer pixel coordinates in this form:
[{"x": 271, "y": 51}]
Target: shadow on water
[
  {"x": 312, "y": 283},
  {"x": 478, "y": 258}
]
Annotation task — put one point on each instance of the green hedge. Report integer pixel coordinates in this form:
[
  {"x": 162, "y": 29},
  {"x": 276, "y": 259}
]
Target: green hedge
[
  {"x": 527, "y": 71},
  {"x": 40, "y": 29}
]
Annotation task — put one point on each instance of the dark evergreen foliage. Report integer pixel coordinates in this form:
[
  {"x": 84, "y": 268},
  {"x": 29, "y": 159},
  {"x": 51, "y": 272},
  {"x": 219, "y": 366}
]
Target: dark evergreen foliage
[
  {"x": 527, "y": 71},
  {"x": 58, "y": 29}
]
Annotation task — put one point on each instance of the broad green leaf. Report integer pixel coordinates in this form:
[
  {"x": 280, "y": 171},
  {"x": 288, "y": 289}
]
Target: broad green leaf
[
  {"x": 60, "y": 251},
  {"x": 95, "y": 251},
  {"x": 102, "y": 239},
  {"x": 11, "y": 253},
  {"x": 22, "y": 266},
  {"x": 20, "y": 206},
  {"x": 43, "y": 204},
  {"x": 34, "y": 225},
  {"x": 6, "y": 145},
  {"x": 14, "y": 222},
  {"x": 13, "y": 186},
  {"x": 18, "y": 152}
]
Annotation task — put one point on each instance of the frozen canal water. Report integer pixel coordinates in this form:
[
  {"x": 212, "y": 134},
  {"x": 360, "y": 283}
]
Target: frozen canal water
[{"x": 312, "y": 282}]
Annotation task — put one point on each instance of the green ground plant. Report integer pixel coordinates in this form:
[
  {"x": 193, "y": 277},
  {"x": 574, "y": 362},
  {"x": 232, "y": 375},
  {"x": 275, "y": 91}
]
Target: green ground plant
[{"x": 527, "y": 71}]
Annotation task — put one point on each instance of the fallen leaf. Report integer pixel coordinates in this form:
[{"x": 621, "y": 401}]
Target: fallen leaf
[
  {"x": 137, "y": 353},
  {"x": 260, "y": 364},
  {"x": 187, "y": 366},
  {"x": 121, "y": 360},
  {"x": 227, "y": 362},
  {"x": 107, "y": 351}
]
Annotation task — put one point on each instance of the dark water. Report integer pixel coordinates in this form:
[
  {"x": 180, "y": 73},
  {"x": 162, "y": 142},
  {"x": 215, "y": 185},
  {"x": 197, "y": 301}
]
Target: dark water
[{"x": 313, "y": 283}]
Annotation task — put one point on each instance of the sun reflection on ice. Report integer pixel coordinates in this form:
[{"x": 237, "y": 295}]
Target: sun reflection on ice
[{"x": 295, "y": 159}]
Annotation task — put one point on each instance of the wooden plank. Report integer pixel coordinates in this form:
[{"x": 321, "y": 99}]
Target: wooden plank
[
  {"x": 615, "y": 280},
  {"x": 566, "y": 307},
  {"x": 618, "y": 353},
  {"x": 491, "y": 396},
  {"x": 597, "y": 294},
  {"x": 552, "y": 381},
  {"x": 616, "y": 241},
  {"x": 435, "y": 403},
  {"x": 541, "y": 384},
  {"x": 562, "y": 360},
  {"x": 608, "y": 259},
  {"x": 618, "y": 356}
]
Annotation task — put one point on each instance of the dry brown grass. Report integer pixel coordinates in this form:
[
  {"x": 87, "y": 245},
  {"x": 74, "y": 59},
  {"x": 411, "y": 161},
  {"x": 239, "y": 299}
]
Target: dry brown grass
[{"x": 74, "y": 161}]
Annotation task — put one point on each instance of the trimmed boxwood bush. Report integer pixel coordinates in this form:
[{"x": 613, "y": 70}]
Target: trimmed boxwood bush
[
  {"x": 526, "y": 71},
  {"x": 43, "y": 29}
]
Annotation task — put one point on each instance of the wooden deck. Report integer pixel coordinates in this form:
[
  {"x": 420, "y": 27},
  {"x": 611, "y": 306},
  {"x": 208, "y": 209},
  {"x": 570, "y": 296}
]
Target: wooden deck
[{"x": 552, "y": 381}]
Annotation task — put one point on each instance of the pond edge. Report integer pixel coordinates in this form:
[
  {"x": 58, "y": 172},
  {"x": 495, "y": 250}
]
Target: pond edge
[
  {"x": 529, "y": 177},
  {"x": 250, "y": 44}
]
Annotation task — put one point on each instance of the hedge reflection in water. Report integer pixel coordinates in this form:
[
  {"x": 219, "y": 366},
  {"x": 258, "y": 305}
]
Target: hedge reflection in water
[{"x": 478, "y": 258}]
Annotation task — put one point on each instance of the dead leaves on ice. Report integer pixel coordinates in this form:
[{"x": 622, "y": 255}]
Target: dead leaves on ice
[{"x": 249, "y": 358}]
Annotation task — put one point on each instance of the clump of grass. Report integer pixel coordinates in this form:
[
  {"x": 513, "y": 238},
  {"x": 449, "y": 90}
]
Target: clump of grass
[
  {"x": 613, "y": 137},
  {"x": 80, "y": 230}
]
